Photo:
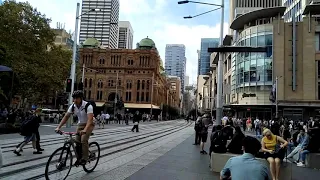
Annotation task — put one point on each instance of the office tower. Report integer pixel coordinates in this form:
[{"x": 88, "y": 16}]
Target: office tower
[
  {"x": 239, "y": 7},
  {"x": 175, "y": 62},
  {"x": 186, "y": 81},
  {"x": 103, "y": 24},
  {"x": 295, "y": 8},
  {"x": 125, "y": 35},
  {"x": 204, "y": 60}
]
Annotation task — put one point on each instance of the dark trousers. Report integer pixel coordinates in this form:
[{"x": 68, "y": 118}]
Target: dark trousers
[
  {"x": 38, "y": 140},
  {"x": 197, "y": 138},
  {"x": 135, "y": 127}
]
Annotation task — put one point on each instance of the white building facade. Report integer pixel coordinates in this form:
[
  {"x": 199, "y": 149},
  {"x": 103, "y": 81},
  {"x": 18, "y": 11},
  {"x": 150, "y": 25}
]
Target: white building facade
[
  {"x": 125, "y": 35},
  {"x": 103, "y": 24}
]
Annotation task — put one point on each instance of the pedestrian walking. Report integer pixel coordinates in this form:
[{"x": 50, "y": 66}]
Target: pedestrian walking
[
  {"x": 29, "y": 129},
  {"x": 38, "y": 119},
  {"x": 136, "y": 120}
]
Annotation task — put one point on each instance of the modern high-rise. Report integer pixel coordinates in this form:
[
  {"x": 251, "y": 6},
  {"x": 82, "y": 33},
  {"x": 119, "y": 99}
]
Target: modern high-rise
[
  {"x": 103, "y": 24},
  {"x": 175, "y": 62},
  {"x": 204, "y": 59},
  {"x": 295, "y": 9},
  {"x": 186, "y": 81},
  {"x": 239, "y": 7},
  {"x": 275, "y": 82},
  {"x": 125, "y": 35}
]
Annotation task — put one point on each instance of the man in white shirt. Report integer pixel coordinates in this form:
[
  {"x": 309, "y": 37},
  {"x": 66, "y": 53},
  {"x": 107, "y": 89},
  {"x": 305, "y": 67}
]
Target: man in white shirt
[
  {"x": 257, "y": 124},
  {"x": 84, "y": 111},
  {"x": 107, "y": 116}
]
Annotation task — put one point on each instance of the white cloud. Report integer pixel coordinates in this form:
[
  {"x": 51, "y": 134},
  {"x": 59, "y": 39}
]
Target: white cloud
[{"x": 148, "y": 18}]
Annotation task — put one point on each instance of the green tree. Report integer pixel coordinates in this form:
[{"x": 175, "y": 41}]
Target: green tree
[{"x": 25, "y": 36}]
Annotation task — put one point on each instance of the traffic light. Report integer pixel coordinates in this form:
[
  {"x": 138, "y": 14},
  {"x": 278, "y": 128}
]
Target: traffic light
[{"x": 69, "y": 85}]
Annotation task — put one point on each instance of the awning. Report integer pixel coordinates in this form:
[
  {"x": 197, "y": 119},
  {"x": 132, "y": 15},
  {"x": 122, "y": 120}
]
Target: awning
[
  {"x": 99, "y": 104},
  {"x": 313, "y": 9},
  {"x": 240, "y": 21},
  {"x": 140, "y": 106},
  {"x": 5, "y": 69}
]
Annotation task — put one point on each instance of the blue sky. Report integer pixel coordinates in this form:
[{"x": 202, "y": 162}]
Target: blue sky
[{"x": 161, "y": 20}]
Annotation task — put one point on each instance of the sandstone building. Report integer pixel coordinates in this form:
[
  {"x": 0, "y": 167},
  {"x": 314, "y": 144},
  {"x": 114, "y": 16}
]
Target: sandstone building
[{"x": 134, "y": 75}]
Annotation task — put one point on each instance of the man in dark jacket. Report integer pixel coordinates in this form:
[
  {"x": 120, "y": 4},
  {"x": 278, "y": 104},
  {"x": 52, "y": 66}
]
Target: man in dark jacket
[
  {"x": 197, "y": 129},
  {"x": 136, "y": 120},
  {"x": 38, "y": 119}
]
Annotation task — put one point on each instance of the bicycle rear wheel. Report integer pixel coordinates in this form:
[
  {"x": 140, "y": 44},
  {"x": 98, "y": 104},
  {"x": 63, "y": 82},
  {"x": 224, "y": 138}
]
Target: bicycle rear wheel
[
  {"x": 59, "y": 165},
  {"x": 94, "y": 156}
]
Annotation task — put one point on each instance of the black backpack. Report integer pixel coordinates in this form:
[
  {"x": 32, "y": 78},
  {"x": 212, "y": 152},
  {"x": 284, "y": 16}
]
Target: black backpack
[
  {"x": 27, "y": 126},
  {"x": 92, "y": 103},
  {"x": 219, "y": 139},
  {"x": 198, "y": 125}
]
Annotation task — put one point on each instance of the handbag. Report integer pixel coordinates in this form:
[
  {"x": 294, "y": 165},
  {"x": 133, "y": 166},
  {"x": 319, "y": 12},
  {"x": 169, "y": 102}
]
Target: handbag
[{"x": 279, "y": 150}]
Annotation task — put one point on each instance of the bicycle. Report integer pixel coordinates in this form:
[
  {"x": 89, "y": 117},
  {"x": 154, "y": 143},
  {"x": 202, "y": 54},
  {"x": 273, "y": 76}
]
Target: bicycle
[{"x": 61, "y": 163}]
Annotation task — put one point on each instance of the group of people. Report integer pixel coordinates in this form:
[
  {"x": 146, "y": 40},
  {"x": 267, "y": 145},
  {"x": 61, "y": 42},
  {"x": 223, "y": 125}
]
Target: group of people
[
  {"x": 274, "y": 141},
  {"x": 83, "y": 110}
]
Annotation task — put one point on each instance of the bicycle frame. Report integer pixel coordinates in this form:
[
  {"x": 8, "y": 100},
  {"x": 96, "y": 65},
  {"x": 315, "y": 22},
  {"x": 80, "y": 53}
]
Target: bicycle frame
[{"x": 70, "y": 142}]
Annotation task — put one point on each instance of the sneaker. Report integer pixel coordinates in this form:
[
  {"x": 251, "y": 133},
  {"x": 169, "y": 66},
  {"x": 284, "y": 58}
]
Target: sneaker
[
  {"x": 17, "y": 153},
  {"x": 300, "y": 164},
  {"x": 205, "y": 152},
  {"x": 40, "y": 149},
  {"x": 37, "y": 152}
]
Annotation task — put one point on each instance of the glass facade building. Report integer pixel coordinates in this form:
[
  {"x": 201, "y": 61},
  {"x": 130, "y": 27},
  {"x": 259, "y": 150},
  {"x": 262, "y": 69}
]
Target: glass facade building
[
  {"x": 204, "y": 60},
  {"x": 252, "y": 70}
]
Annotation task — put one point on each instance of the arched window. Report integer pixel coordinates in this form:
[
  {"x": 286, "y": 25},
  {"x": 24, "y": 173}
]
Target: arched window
[
  {"x": 100, "y": 84},
  {"x": 142, "y": 96},
  {"x": 86, "y": 82},
  {"x": 143, "y": 84},
  {"x": 148, "y": 84},
  {"x": 138, "y": 85},
  {"x": 90, "y": 83}
]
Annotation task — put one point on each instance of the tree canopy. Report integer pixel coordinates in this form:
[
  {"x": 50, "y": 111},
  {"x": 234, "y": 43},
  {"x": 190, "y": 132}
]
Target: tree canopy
[{"x": 25, "y": 36}]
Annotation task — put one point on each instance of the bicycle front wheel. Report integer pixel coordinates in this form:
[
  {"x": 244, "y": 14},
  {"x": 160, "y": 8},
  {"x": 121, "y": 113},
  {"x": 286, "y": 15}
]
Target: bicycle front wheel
[
  {"x": 58, "y": 167},
  {"x": 94, "y": 156}
]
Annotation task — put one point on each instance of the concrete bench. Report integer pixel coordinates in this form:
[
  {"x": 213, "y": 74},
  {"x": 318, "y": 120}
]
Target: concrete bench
[
  {"x": 219, "y": 160},
  {"x": 313, "y": 160}
]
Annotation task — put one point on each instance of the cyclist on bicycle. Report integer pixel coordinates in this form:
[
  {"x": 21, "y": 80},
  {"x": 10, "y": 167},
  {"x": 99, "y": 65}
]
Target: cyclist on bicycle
[{"x": 85, "y": 122}]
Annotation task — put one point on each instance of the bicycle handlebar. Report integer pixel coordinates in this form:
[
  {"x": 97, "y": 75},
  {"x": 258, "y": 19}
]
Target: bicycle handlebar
[{"x": 68, "y": 133}]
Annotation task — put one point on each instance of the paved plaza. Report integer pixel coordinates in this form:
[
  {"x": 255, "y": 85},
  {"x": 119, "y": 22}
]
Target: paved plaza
[{"x": 161, "y": 150}]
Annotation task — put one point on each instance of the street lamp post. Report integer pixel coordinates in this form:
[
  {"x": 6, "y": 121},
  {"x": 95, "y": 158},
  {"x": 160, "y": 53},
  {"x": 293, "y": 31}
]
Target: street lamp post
[
  {"x": 219, "y": 103},
  {"x": 74, "y": 54},
  {"x": 116, "y": 96},
  {"x": 276, "y": 93},
  {"x": 151, "y": 99}
]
